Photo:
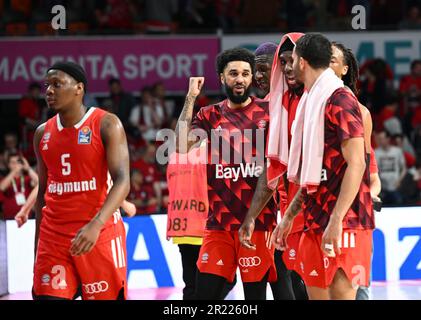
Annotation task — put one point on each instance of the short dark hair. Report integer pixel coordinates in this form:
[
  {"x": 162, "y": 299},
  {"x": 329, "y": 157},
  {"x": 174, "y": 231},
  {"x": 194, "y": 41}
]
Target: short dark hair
[
  {"x": 113, "y": 80},
  {"x": 316, "y": 49},
  {"x": 414, "y": 63},
  {"x": 351, "y": 77},
  {"x": 387, "y": 133},
  {"x": 12, "y": 154},
  {"x": 235, "y": 54}
]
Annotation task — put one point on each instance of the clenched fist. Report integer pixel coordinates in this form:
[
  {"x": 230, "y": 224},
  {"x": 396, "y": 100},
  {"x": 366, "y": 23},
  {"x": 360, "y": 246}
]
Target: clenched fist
[{"x": 195, "y": 85}]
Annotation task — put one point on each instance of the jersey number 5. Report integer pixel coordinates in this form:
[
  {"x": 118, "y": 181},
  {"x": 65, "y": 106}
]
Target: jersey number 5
[{"x": 66, "y": 165}]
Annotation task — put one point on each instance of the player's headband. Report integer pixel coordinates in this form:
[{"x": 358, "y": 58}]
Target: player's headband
[{"x": 72, "y": 69}]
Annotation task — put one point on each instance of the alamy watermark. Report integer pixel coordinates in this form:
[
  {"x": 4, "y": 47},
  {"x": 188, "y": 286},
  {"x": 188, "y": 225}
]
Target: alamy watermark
[
  {"x": 221, "y": 147},
  {"x": 359, "y": 21},
  {"x": 59, "y": 20}
]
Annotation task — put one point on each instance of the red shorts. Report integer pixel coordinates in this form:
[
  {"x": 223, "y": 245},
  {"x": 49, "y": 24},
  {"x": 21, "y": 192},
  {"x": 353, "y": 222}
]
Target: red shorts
[
  {"x": 318, "y": 270},
  {"x": 290, "y": 255},
  {"x": 221, "y": 253},
  {"x": 102, "y": 272}
]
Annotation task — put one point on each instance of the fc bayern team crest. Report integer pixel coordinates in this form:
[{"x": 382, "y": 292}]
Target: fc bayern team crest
[
  {"x": 84, "y": 136},
  {"x": 262, "y": 124}
]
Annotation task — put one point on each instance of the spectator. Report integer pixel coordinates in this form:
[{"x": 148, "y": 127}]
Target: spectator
[
  {"x": 387, "y": 118},
  {"x": 228, "y": 12},
  {"x": 89, "y": 100},
  {"x": 31, "y": 109},
  {"x": 142, "y": 194},
  {"x": 24, "y": 212},
  {"x": 159, "y": 15},
  {"x": 402, "y": 142},
  {"x": 392, "y": 169},
  {"x": 122, "y": 102},
  {"x": 255, "y": 16},
  {"x": 115, "y": 14},
  {"x": 23, "y": 6},
  {"x": 159, "y": 93},
  {"x": 150, "y": 171},
  {"x": 377, "y": 81},
  {"x": 386, "y": 14},
  {"x": 411, "y": 185},
  {"x": 147, "y": 165},
  {"x": 199, "y": 14},
  {"x": 17, "y": 185},
  {"x": 148, "y": 116},
  {"x": 11, "y": 144},
  {"x": 410, "y": 90},
  {"x": 412, "y": 19},
  {"x": 340, "y": 14},
  {"x": 3, "y": 165},
  {"x": 416, "y": 141},
  {"x": 416, "y": 176},
  {"x": 296, "y": 13}
]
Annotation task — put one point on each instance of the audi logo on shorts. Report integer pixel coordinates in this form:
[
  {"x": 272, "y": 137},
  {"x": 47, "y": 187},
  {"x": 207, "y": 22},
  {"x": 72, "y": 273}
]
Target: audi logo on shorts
[
  {"x": 249, "y": 261},
  {"x": 96, "y": 287}
]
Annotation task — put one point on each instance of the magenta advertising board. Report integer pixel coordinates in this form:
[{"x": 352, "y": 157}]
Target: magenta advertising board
[{"x": 136, "y": 61}]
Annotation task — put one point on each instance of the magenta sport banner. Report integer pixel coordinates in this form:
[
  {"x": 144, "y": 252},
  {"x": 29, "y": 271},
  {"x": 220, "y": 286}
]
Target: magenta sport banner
[{"x": 135, "y": 61}]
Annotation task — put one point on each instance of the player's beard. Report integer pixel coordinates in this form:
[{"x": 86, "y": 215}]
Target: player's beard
[{"x": 237, "y": 99}]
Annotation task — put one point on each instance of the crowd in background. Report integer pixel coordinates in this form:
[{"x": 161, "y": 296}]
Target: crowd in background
[
  {"x": 396, "y": 114},
  {"x": 33, "y": 17},
  {"x": 395, "y": 109}
]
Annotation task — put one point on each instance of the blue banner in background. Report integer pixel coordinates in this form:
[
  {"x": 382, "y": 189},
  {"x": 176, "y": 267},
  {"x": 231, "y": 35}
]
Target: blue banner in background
[
  {"x": 396, "y": 247},
  {"x": 153, "y": 261}
]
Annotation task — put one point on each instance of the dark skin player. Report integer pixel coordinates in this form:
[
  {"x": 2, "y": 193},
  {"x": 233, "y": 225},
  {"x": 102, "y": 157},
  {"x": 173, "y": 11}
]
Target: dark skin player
[{"x": 65, "y": 95}]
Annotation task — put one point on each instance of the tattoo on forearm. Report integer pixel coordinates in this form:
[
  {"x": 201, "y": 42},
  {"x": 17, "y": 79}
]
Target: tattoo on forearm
[
  {"x": 261, "y": 196},
  {"x": 296, "y": 204},
  {"x": 187, "y": 112}
]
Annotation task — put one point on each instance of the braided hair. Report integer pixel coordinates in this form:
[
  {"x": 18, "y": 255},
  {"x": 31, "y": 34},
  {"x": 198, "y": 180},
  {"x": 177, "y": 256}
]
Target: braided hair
[{"x": 351, "y": 77}]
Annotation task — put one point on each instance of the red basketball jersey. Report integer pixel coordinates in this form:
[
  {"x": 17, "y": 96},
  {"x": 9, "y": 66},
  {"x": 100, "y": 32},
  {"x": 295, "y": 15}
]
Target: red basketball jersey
[{"x": 77, "y": 176}]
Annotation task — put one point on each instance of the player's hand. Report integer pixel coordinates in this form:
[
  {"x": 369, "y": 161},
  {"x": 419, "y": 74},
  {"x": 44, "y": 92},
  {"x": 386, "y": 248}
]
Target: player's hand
[
  {"x": 281, "y": 232},
  {"x": 86, "y": 238},
  {"x": 245, "y": 232},
  {"x": 21, "y": 217},
  {"x": 129, "y": 208},
  {"x": 195, "y": 85},
  {"x": 331, "y": 238}
]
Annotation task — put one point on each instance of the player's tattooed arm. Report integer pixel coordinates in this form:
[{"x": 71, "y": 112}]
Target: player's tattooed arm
[
  {"x": 295, "y": 206},
  {"x": 261, "y": 196},
  {"x": 184, "y": 122}
]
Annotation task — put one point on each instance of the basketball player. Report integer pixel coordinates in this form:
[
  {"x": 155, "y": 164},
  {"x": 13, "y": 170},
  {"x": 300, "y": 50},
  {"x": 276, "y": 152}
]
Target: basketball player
[
  {"x": 80, "y": 237},
  {"x": 345, "y": 66},
  {"x": 335, "y": 249},
  {"x": 230, "y": 183},
  {"x": 289, "y": 285}
]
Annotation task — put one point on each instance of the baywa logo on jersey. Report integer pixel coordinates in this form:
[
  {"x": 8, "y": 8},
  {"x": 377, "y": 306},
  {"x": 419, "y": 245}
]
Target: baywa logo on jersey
[
  {"x": 262, "y": 124},
  {"x": 84, "y": 136},
  {"x": 244, "y": 170}
]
